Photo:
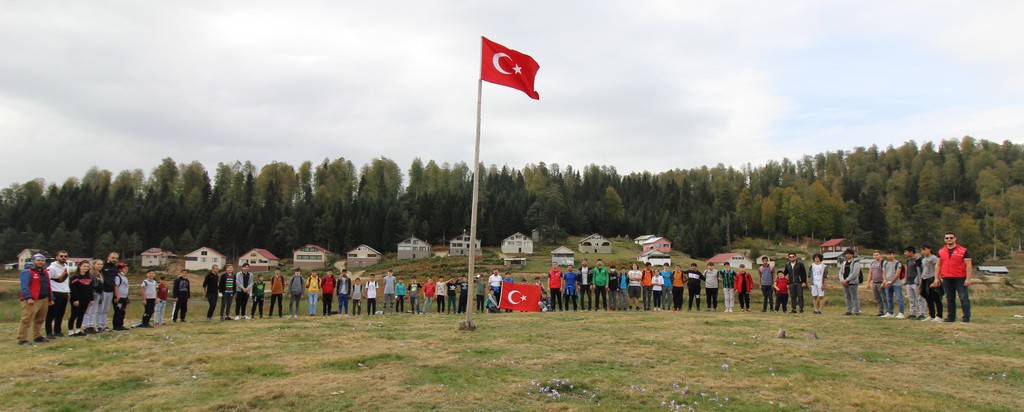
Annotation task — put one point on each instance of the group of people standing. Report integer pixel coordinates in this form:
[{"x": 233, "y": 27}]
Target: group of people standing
[
  {"x": 90, "y": 290},
  {"x": 93, "y": 288}
]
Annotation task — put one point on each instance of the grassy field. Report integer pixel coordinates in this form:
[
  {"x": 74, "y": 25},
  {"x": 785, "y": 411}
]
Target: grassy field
[{"x": 542, "y": 361}]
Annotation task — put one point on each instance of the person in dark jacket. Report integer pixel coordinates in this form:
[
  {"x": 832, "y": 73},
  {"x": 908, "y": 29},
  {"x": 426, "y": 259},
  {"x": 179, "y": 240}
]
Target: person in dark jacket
[
  {"x": 227, "y": 291},
  {"x": 211, "y": 287},
  {"x": 796, "y": 273},
  {"x": 182, "y": 291},
  {"x": 35, "y": 299},
  {"x": 81, "y": 297}
]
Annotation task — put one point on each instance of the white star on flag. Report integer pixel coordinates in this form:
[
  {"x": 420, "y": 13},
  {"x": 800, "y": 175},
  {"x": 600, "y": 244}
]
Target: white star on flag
[{"x": 517, "y": 69}]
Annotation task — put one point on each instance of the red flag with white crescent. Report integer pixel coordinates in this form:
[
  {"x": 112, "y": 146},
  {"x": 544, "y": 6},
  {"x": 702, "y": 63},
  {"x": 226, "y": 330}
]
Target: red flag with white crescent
[
  {"x": 523, "y": 298},
  {"x": 507, "y": 67}
]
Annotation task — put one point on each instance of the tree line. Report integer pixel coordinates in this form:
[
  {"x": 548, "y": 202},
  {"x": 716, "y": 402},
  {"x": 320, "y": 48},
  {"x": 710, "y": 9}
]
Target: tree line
[{"x": 879, "y": 197}]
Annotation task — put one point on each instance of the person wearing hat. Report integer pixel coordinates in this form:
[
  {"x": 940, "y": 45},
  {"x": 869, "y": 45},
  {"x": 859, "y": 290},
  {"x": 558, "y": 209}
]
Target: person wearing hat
[{"x": 35, "y": 299}]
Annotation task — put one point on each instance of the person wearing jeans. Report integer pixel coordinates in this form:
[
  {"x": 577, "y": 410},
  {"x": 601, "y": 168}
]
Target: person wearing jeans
[
  {"x": 797, "y": 274},
  {"x": 849, "y": 277},
  {"x": 296, "y": 287},
  {"x": 227, "y": 292},
  {"x": 767, "y": 281},
  {"x": 955, "y": 272},
  {"x": 931, "y": 290},
  {"x": 313, "y": 291},
  {"x": 893, "y": 285},
  {"x": 344, "y": 291}
]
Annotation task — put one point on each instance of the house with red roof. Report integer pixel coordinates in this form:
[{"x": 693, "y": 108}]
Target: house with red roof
[
  {"x": 259, "y": 260},
  {"x": 734, "y": 259},
  {"x": 837, "y": 245},
  {"x": 657, "y": 243}
]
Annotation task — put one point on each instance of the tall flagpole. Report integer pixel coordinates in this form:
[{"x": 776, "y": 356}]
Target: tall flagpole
[{"x": 472, "y": 220}]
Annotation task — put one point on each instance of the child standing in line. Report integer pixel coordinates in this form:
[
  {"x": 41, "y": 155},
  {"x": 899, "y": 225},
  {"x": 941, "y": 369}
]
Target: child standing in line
[
  {"x": 295, "y": 288},
  {"x": 313, "y": 290},
  {"x": 161, "y": 302},
  {"x": 327, "y": 284},
  {"x": 429, "y": 290},
  {"x": 371, "y": 296},
  {"x": 344, "y": 287},
  {"x": 728, "y": 277},
  {"x": 657, "y": 284},
  {"x": 400, "y": 296},
  {"x": 357, "y": 297},
  {"x": 744, "y": 284},
  {"x": 258, "y": 290},
  {"x": 781, "y": 291},
  {"x": 413, "y": 289},
  {"x": 453, "y": 287},
  {"x": 711, "y": 287},
  {"x": 148, "y": 296},
  {"x": 121, "y": 300},
  {"x": 441, "y": 289}
]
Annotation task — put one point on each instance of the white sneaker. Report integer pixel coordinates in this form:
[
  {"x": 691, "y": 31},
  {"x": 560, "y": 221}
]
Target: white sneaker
[
  {"x": 236, "y": 318},
  {"x": 936, "y": 319},
  {"x": 900, "y": 316},
  {"x": 887, "y": 315},
  {"x": 926, "y": 319}
]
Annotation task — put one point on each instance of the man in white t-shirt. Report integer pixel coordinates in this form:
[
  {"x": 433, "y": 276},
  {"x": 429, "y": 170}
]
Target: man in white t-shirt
[
  {"x": 495, "y": 282},
  {"x": 58, "y": 273}
]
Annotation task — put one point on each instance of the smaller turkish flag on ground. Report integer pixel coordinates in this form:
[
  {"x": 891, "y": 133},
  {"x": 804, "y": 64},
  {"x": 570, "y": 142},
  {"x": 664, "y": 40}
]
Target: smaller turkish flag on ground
[
  {"x": 524, "y": 298},
  {"x": 507, "y": 67}
]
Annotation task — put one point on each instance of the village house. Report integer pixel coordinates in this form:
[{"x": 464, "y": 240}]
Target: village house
[
  {"x": 413, "y": 248},
  {"x": 460, "y": 246},
  {"x": 595, "y": 243},
  {"x": 734, "y": 259},
  {"x": 309, "y": 257},
  {"x": 517, "y": 243},
  {"x": 655, "y": 257},
  {"x": 157, "y": 257},
  {"x": 362, "y": 256},
  {"x": 204, "y": 258},
  {"x": 837, "y": 245},
  {"x": 657, "y": 243},
  {"x": 259, "y": 260},
  {"x": 563, "y": 256}
]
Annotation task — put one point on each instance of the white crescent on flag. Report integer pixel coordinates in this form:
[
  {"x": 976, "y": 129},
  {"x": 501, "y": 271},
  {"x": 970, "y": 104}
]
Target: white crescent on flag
[
  {"x": 497, "y": 58},
  {"x": 512, "y": 293}
]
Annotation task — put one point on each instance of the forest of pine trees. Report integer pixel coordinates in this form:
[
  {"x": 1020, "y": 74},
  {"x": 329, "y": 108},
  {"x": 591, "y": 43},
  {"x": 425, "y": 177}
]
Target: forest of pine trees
[{"x": 881, "y": 198}]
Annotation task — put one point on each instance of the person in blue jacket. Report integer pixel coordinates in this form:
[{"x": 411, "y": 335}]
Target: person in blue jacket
[{"x": 571, "y": 290}]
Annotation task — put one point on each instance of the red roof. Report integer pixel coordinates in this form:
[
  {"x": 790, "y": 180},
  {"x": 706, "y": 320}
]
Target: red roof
[
  {"x": 833, "y": 242},
  {"x": 266, "y": 254},
  {"x": 723, "y": 257},
  {"x": 317, "y": 248}
]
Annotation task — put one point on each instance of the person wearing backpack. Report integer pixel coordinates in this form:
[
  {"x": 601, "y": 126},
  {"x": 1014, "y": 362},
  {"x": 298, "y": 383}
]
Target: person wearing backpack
[
  {"x": 893, "y": 284},
  {"x": 296, "y": 287}
]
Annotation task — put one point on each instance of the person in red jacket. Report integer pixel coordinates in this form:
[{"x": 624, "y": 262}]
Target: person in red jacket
[
  {"x": 555, "y": 287},
  {"x": 327, "y": 286},
  {"x": 954, "y": 274},
  {"x": 429, "y": 290},
  {"x": 743, "y": 284},
  {"x": 36, "y": 298}
]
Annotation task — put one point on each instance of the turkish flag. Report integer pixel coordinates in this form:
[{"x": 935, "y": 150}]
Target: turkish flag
[
  {"x": 507, "y": 67},
  {"x": 524, "y": 298}
]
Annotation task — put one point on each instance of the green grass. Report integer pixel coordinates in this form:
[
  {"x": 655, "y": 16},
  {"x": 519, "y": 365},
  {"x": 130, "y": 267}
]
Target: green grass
[{"x": 595, "y": 361}]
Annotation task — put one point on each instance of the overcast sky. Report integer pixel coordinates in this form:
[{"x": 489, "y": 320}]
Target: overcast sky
[{"x": 646, "y": 85}]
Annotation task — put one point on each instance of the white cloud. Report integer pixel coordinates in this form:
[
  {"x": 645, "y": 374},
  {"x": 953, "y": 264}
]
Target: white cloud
[{"x": 653, "y": 86}]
